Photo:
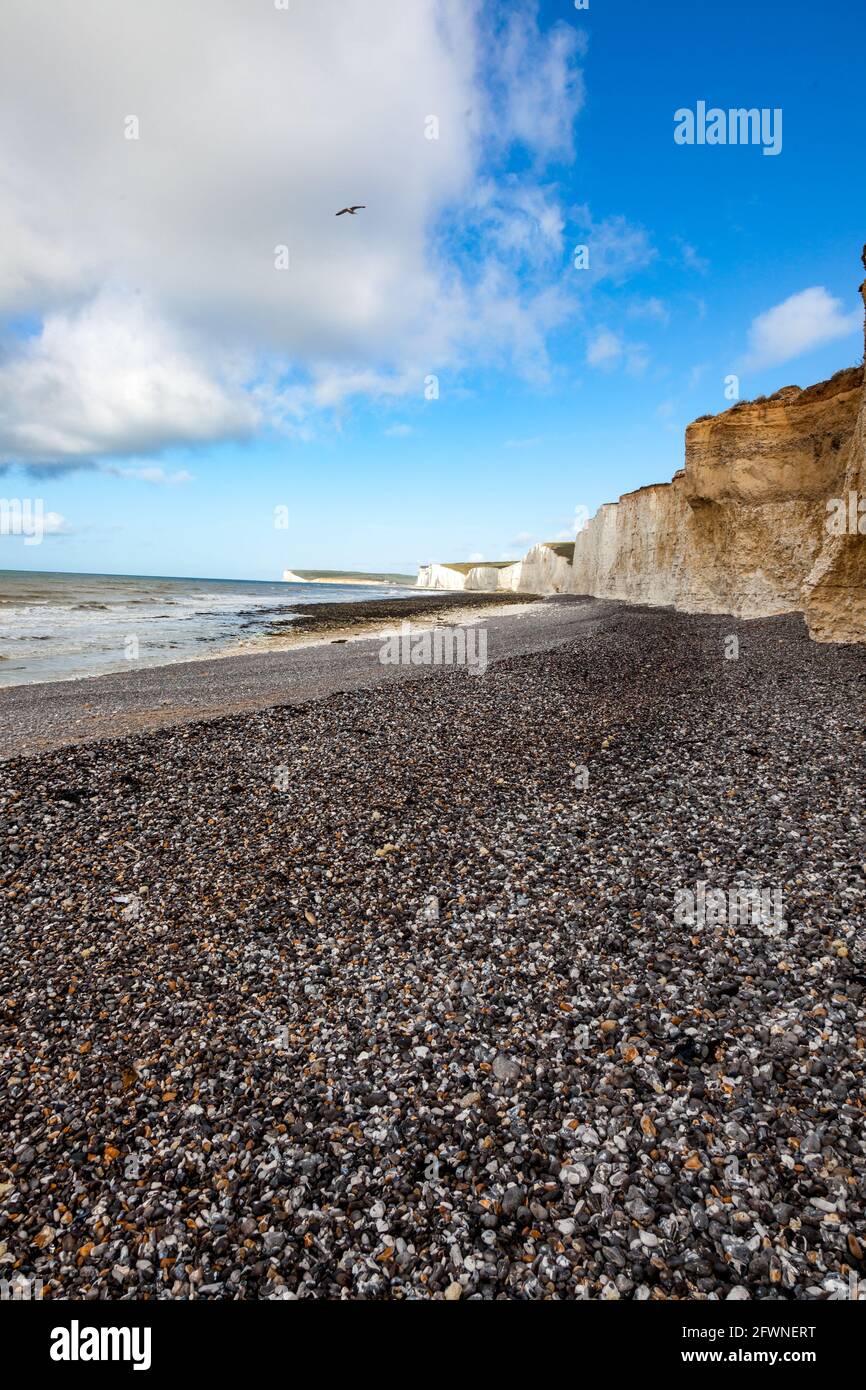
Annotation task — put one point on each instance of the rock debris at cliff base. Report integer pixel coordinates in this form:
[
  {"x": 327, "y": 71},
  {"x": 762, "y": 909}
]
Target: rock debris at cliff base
[{"x": 421, "y": 1024}]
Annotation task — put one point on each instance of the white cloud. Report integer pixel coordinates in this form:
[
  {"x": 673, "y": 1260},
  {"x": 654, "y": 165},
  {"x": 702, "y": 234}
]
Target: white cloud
[
  {"x": 521, "y": 220},
  {"x": 541, "y": 89},
  {"x": 617, "y": 248},
  {"x": 110, "y": 378},
  {"x": 255, "y": 126},
  {"x": 799, "y": 324},
  {"x": 398, "y": 431},
  {"x": 607, "y": 350},
  {"x": 653, "y": 309},
  {"x": 691, "y": 258},
  {"x": 476, "y": 558},
  {"x": 152, "y": 474},
  {"x": 578, "y": 523}
]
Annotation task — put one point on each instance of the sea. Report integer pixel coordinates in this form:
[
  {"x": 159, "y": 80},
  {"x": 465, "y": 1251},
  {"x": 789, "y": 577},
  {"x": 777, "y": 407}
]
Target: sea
[{"x": 68, "y": 626}]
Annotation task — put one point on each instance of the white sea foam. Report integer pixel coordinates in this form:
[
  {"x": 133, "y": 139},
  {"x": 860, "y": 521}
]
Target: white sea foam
[{"x": 67, "y": 626}]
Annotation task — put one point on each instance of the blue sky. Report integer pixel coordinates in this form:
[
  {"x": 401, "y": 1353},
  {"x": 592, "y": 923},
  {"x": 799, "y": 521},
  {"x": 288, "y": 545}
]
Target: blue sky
[{"x": 163, "y": 387}]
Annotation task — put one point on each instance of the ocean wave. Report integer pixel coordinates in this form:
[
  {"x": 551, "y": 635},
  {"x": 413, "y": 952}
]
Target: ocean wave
[{"x": 70, "y": 627}]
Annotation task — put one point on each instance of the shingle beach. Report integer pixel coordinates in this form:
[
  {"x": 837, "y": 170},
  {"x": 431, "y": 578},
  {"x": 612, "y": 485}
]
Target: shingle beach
[{"x": 383, "y": 996}]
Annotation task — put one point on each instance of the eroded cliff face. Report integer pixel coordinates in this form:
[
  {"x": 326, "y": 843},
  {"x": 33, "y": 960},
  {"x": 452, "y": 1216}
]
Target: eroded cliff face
[
  {"x": 792, "y": 444},
  {"x": 488, "y": 577},
  {"x": 742, "y": 529},
  {"x": 543, "y": 570},
  {"x": 834, "y": 591},
  {"x": 440, "y": 577}
]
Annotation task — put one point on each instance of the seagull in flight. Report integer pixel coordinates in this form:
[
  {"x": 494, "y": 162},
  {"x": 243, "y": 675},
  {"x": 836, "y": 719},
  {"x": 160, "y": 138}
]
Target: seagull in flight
[{"x": 351, "y": 211}]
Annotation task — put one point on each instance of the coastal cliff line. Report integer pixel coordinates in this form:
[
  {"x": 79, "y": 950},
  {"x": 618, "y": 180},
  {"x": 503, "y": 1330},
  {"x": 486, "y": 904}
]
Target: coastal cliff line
[{"x": 763, "y": 519}]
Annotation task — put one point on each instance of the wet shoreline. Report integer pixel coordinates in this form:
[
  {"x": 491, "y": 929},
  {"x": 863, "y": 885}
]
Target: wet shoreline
[{"x": 289, "y": 667}]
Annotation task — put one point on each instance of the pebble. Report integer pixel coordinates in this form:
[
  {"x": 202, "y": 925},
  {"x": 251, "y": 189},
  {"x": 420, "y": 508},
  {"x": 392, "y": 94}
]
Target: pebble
[
  {"x": 305, "y": 1069},
  {"x": 505, "y": 1068}
]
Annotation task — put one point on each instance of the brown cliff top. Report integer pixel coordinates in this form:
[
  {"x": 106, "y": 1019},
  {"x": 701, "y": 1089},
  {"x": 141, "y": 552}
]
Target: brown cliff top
[{"x": 848, "y": 379}]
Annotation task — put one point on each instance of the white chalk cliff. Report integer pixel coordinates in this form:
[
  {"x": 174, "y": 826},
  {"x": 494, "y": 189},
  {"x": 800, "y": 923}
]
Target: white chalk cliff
[{"x": 742, "y": 529}]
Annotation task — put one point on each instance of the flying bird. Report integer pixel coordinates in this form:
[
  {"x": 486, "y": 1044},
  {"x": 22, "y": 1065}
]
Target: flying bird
[{"x": 351, "y": 211}]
